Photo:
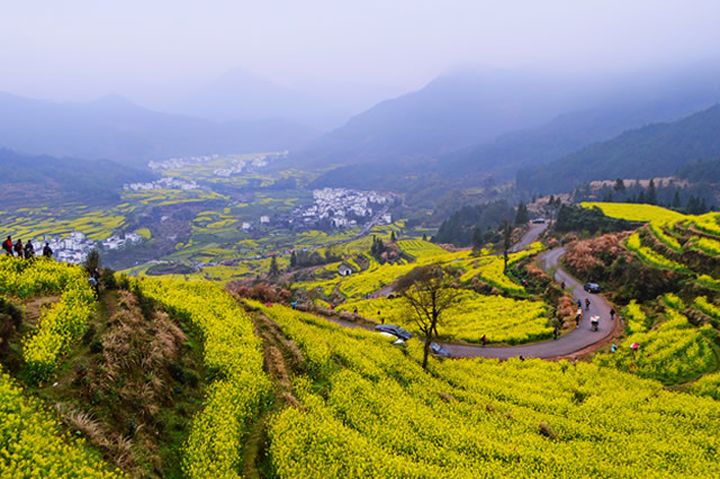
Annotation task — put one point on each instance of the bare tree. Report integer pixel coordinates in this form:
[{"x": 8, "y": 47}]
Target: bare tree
[{"x": 429, "y": 291}]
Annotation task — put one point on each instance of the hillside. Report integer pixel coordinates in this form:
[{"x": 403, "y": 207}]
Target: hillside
[
  {"x": 451, "y": 112},
  {"x": 654, "y": 150},
  {"x": 27, "y": 180},
  {"x": 232, "y": 386},
  {"x": 116, "y": 129}
]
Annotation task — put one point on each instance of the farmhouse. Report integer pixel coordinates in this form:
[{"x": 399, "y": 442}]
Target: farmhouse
[{"x": 345, "y": 270}]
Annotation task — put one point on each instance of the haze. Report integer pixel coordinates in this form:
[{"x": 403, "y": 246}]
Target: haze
[{"x": 350, "y": 53}]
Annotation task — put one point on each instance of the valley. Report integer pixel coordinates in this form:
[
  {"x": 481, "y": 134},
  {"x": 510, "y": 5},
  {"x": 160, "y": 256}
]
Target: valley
[{"x": 352, "y": 240}]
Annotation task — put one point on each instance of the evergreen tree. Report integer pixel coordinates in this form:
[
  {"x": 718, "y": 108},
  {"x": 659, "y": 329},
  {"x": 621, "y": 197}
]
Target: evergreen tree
[
  {"x": 393, "y": 237},
  {"x": 641, "y": 197},
  {"x": 521, "y": 216},
  {"x": 477, "y": 239},
  {"x": 651, "y": 195},
  {"x": 619, "y": 185},
  {"x": 507, "y": 243},
  {"x": 274, "y": 269},
  {"x": 424, "y": 237},
  {"x": 676, "y": 200},
  {"x": 293, "y": 259}
]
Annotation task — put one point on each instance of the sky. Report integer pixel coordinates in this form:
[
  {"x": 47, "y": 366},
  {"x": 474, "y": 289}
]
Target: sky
[{"x": 351, "y": 51}]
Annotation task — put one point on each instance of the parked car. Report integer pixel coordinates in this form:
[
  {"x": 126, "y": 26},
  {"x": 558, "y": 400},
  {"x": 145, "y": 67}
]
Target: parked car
[
  {"x": 592, "y": 288},
  {"x": 439, "y": 350},
  {"x": 396, "y": 331},
  {"x": 538, "y": 221}
]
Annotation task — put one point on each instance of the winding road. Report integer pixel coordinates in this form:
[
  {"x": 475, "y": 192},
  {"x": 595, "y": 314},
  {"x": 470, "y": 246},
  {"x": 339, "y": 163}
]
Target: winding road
[
  {"x": 575, "y": 342},
  {"x": 580, "y": 340}
]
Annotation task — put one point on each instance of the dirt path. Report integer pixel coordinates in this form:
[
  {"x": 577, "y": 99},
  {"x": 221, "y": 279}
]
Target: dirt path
[{"x": 582, "y": 340}]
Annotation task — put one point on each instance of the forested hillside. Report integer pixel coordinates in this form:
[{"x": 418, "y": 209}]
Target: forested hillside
[{"x": 655, "y": 150}]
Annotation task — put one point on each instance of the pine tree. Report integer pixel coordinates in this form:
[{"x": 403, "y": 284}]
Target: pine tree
[
  {"x": 641, "y": 197},
  {"x": 676, "y": 199},
  {"x": 521, "y": 216},
  {"x": 274, "y": 269},
  {"x": 393, "y": 237},
  {"x": 651, "y": 195},
  {"x": 424, "y": 237},
  {"x": 477, "y": 239},
  {"x": 293, "y": 259}
]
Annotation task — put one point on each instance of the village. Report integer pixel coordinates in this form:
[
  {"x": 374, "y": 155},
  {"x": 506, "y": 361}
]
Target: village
[
  {"x": 75, "y": 247},
  {"x": 342, "y": 208}
]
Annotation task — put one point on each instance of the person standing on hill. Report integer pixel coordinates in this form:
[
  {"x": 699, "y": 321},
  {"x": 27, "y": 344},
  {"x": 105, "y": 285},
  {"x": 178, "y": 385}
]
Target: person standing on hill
[
  {"x": 8, "y": 246},
  {"x": 47, "y": 250},
  {"x": 19, "y": 250},
  {"x": 29, "y": 250}
]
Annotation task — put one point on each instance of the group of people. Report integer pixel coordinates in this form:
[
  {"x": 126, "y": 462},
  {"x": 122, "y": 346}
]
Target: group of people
[{"x": 26, "y": 251}]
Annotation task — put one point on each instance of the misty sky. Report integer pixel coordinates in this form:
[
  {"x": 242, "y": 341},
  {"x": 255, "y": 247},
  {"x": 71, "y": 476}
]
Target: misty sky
[{"x": 75, "y": 49}]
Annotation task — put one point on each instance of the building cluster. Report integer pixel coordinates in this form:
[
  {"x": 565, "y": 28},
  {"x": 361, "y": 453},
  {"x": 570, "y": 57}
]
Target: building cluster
[
  {"x": 75, "y": 247},
  {"x": 169, "y": 183},
  {"x": 175, "y": 163},
  {"x": 344, "y": 208},
  {"x": 238, "y": 163},
  {"x": 242, "y": 166}
]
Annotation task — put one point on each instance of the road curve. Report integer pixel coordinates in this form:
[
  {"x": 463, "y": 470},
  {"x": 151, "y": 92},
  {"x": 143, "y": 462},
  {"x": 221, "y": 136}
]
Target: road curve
[
  {"x": 580, "y": 340},
  {"x": 577, "y": 340}
]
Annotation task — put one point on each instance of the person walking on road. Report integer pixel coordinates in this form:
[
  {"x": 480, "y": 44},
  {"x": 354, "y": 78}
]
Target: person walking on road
[
  {"x": 612, "y": 314},
  {"x": 484, "y": 340},
  {"x": 578, "y": 317},
  {"x": 556, "y": 332},
  {"x": 587, "y": 304},
  {"x": 8, "y": 246}
]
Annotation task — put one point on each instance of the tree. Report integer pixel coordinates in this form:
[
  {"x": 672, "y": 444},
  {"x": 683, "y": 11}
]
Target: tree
[
  {"x": 425, "y": 238},
  {"x": 651, "y": 195},
  {"x": 428, "y": 291},
  {"x": 521, "y": 216},
  {"x": 478, "y": 240},
  {"x": 619, "y": 185},
  {"x": 676, "y": 200},
  {"x": 92, "y": 262},
  {"x": 393, "y": 238},
  {"x": 274, "y": 271},
  {"x": 293, "y": 259},
  {"x": 507, "y": 243}
]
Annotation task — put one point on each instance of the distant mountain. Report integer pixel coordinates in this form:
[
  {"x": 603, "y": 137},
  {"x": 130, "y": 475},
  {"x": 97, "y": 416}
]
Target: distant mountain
[
  {"x": 654, "y": 150},
  {"x": 241, "y": 95},
  {"x": 116, "y": 129},
  {"x": 451, "y": 112},
  {"x": 26, "y": 180}
]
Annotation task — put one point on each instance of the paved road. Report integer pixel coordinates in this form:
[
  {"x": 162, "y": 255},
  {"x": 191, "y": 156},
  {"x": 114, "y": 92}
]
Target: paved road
[
  {"x": 577, "y": 340},
  {"x": 530, "y": 236}
]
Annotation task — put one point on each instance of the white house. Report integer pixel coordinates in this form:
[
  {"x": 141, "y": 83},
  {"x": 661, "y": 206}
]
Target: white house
[
  {"x": 345, "y": 270},
  {"x": 264, "y": 220}
]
